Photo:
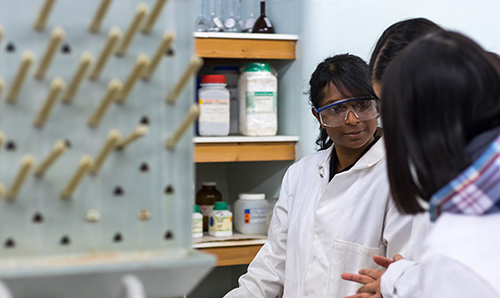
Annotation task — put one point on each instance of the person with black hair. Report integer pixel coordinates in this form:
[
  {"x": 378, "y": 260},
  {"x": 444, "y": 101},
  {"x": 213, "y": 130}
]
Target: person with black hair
[
  {"x": 442, "y": 113},
  {"x": 392, "y": 41},
  {"x": 319, "y": 225}
]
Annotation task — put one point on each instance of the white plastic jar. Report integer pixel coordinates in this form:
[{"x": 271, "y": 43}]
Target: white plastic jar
[
  {"x": 197, "y": 225},
  {"x": 213, "y": 99},
  {"x": 250, "y": 213},
  {"x": 232, "y": 75},
  {"x": 258, "y": 100}
]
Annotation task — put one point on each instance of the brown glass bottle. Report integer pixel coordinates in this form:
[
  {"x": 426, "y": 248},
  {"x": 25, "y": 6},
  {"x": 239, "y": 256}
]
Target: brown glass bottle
[
  {"x": 206, "y": 198},
  {"x": 263, "y": 24}
]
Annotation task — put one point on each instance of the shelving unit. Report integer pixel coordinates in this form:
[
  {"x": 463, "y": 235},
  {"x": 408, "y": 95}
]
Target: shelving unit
[{"x": 242, "y": 47}]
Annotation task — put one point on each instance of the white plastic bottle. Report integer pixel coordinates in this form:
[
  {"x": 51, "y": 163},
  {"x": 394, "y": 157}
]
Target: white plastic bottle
[
  {"x": 250, "y": 213},
  {"x": 213, "y": 98},
  {"x": 258, "y": 100},
  {"x": 197, "y": 222},
  {"x": 220, "y": 222},
  {"x": 232, "y": 75}
]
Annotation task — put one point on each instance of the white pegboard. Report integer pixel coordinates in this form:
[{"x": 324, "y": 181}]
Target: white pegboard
[{"x": 29, "y": 248}]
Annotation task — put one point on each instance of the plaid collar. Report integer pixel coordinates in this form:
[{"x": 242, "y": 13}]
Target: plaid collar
[{"x": 476, "y": 191}]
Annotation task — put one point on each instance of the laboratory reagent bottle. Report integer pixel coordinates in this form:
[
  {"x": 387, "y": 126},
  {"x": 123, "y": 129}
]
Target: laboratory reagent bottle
[
  {"x": 206, "y": 198},
  {"x": 213, "y": 99},
  {"x": 197, "y": 226},
  {"x": 220, "y": 221}
]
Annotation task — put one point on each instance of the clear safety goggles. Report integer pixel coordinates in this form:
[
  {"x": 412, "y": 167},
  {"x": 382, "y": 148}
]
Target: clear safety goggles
[{"x": 335, "y": 114}]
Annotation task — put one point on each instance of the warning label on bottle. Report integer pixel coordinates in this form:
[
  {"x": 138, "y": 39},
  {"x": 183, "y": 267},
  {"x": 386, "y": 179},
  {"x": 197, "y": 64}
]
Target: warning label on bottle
[
  {"x": 214, "y": 110},
  {"x": 261, "y": 102},
  {"x": 255, "y": 216}
]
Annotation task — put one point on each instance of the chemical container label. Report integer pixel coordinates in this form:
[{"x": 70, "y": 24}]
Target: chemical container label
[
  {"x": 221, "y": 224},
  {"x": 198, "y": 226},
  {"x": 214, "y": 110},
  {"x": 255, "y": 216},
  {"x": 261, "y": 102}
]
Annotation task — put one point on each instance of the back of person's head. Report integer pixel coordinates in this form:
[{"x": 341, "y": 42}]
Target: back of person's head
[
  {"x": 439, "y": 93},
  {"x": 348, "y": 73},
  {"x": 394, "y": 39}
]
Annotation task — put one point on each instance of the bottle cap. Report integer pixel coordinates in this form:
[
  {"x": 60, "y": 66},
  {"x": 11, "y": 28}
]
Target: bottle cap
[
  {"x": 213, "y": 79},
  {"x": 256, "y": 67},
  {"x": 220, "y": 206},
  {"x": 209, "y": 184},
  {"x": 196, "y": 209},
  {"x": 252, "y": 196}
]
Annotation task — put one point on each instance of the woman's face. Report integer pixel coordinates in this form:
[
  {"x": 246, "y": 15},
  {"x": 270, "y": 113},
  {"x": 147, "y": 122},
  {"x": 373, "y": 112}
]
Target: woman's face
[{"x": 353, "y": 134}]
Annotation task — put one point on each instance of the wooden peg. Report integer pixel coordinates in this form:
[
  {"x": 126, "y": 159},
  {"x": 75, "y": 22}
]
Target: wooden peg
[
  {"x": 85, "y": 165},
  {"x": 99, "y": 16},
  {"x": 168, "y": 37},
  {"x": 43, "y": 16},
  {"x": 155, "y": 13},
  {"x": 142, "y": 10},
  {"x": 138, "y": 133},
  {"x": 113, "y": 37},
  {"x": 1, "y": 32},
  {"x": 26, "y": 164},
  {"x": 59, "y": 148},
  {"x": 2, "y": 138},
  {"x": 113, "y": 138},
  {"x": 55, "y": 39},
  {"x": 20, "y": 77},
  {"x": 56, "y": 87},
  {"x": 2, "y": 84},
  {"x": 2, "y": 190},
  {"x": 194, "y": 65},
  {"x": 85, "y": 61},
  {"x": 192, "y": 114},
  {"x": 140, "y": 67},
  {"x": 114, "y": 88}
]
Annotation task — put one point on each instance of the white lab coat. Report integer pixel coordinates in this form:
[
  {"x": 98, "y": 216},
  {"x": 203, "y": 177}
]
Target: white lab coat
[
  {"x": 322, "y": 229},
  {"x": 459, "y": 260},
  {"x": 401, "y": 279}
]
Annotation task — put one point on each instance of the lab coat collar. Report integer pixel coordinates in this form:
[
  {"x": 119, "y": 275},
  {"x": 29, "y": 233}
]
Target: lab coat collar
[{"x": 369, "y": 159}]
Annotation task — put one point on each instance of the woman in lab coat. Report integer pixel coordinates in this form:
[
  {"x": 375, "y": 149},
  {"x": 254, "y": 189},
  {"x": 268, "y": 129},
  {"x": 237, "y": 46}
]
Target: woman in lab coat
[
  {"x": 400, "y": 279},
  {"x": 442, "y": 117},
  {"x": 334, "y": 211}
]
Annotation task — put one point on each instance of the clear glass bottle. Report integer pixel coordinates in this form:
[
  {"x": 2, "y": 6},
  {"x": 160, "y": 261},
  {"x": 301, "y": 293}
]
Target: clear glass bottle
[
  {"x": 250, "y": 10},
  {"x": 201, "y": 23},
  {"x": 216, "y": 23},
  {"x": 263, "y": 24},
  {"x": 232, "y": 22}
]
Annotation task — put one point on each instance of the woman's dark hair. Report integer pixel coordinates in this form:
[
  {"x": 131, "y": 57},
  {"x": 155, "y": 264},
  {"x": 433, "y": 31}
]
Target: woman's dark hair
[
  {"x": 439, "y": 93},
  {"x": 395, "y": 38},
  {"x": 348, "y": 73}
]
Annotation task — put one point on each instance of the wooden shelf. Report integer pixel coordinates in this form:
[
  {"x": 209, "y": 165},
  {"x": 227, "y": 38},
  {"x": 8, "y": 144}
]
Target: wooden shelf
[
  {"x": 238, "y": 148},
  {"x": 238, "y": 249},
  {"x": 245, "y": 45},
  {"x": 235, "y": 255}
]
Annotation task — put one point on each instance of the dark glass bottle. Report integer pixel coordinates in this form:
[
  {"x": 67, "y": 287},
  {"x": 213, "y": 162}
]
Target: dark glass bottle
[
  {"x": 206, "y": 198},
  {"x": 263, "y": 24}
]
